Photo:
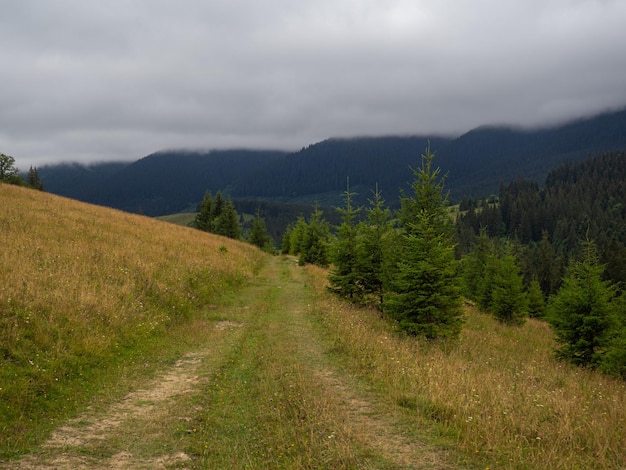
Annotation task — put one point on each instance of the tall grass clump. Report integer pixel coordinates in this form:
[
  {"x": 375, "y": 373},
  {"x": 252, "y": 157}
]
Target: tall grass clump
[
  {"x": 499, "y": 392},
  {"x": 84, "y": 288}
]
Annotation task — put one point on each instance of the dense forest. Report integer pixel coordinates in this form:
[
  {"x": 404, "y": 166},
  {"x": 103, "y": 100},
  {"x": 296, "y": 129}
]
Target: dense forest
[{"x": 579, "y": 201}]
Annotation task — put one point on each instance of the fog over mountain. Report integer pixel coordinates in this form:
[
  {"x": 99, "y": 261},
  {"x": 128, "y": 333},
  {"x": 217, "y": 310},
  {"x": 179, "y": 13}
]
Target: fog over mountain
[{"x": 99, "y": 81}]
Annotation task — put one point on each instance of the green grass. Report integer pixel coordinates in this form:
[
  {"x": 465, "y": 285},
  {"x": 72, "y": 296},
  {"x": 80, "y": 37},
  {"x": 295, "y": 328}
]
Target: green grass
[
  {"x": 96, "y": 304},
  {"x": 86, "y": 293}
]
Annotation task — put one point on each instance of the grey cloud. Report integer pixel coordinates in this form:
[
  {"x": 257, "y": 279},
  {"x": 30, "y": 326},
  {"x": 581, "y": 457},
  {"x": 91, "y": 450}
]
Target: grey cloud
[{"x": 91, "y": 80}]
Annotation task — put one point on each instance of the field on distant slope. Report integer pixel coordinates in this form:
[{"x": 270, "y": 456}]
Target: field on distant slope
[
  {"x": 180, "y": 218},
  {"x": 86, "y": 291}
]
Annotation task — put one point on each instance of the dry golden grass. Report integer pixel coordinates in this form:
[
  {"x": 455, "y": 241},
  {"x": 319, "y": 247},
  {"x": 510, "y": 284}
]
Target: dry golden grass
[
  {"x": 81, "y": 285},
  {"x": 499, "y": 392}
]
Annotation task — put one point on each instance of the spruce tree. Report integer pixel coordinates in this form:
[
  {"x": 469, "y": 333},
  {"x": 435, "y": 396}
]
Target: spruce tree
[
  {"x": 547, "y": 269},
  {"x": 218, "y": 206},
  {"x": 285, "y": 243},
  {"x": 474, "y": 268},
  {"x": 583, "y": 313},
  {"x": 508, "y": 299},
  {"x": 345, "y": 277},
  {"x": 204, "y": 217},
  {"x": 258, "y": 234},
  {"x": 425, "y": 296},
  {"x": 374, "y": 241},
  {"x": 316, "y": 239},
  {"x": 297, "y": 236},
  {"x": 227, "y": 223},
  {"x": 33, "y": 179},
  {"x": 536, "y": 301}
]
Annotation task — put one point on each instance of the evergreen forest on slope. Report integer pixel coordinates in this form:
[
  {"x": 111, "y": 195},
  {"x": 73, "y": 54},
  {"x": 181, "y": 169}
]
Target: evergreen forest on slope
[{"x": 476, "y": 163}]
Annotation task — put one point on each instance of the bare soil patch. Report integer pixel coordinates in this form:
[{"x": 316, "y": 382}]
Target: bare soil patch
[{"x": 79, "y": 444}]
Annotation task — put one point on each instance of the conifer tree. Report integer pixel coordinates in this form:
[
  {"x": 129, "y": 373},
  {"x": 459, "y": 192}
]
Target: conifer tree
[
  {"x": 374, "y": 242},
  {"x": 345, "y": 278},
  {"x": 285, "y": 243},
  {"x": 508, "y": 299},
  {"x": 218, "y": 206},
  {"x": 258, "y": 234},
  {"x": 425, "y": 296},
  {"x": 33, "y": 179},
  {"x": 227, "y": 223},
  {"x": 583, "y": 313},
  {"x": 547, "y": 271},
  {"x": 316, "y": 239},
  {"x": 536, "y": 301},
  {"x": 204, "y": 217},
  {"x": 474, "y": 269},
  {"x": 297, "y": 236}
]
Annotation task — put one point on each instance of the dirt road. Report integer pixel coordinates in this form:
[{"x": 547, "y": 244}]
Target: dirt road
[{"x": 264, "y": 392}]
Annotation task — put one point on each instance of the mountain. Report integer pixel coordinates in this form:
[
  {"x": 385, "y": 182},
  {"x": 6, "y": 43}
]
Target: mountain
[
  {"x": 475, "y": 162},
  {"x": 161, "y": 183},
  {"x": 325, "y": 167}
]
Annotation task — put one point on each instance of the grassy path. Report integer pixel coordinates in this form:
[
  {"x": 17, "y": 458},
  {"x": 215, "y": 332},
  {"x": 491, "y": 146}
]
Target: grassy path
[{"x": 263, "y": 392}]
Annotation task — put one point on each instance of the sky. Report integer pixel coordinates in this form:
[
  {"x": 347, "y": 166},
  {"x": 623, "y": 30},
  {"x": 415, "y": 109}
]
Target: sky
[{"x": 93, "y": 80}]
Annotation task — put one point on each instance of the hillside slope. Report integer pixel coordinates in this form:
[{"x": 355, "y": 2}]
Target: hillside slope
[
  {"x": 113, "y": 323},
  {"x": 476, "y": 163},
  {"x": 85, "y": 290}
]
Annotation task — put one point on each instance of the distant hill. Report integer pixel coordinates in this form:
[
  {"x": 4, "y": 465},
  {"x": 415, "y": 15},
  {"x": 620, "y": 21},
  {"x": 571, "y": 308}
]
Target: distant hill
[
  {"x": 476, "y": 162},
  {"x": 159, "y": 184}
]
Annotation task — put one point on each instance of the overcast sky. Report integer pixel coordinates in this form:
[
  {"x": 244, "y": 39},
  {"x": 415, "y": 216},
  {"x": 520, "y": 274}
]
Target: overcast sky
[{"x": 93, "y": 80}]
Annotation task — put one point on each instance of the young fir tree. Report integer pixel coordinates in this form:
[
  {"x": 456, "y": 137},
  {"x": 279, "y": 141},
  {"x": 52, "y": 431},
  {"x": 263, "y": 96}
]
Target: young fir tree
[
  {"x": 547, "y": 269},
  {"x": 345, "y": 277},
  {"x": 285, "y": 243},
  {"x": 474, "y": 268},
  {"x": 508, "y": 299},
  {"x": 258, "y": 234},
  {"x": 227, "y": 223},
  {"x": 373, "y": 242},
  {"x": 425, "y": 296},
  {"x": 204, "y": 217},
  {"x": 583, "y": 312},
  {"x": 536, "y": 301},
  {"x": 297, "y": 236},
  {"x": 33, "y": 179},
  {"x": 218, "y": 206},
  {"x": 316, "y": 239}
]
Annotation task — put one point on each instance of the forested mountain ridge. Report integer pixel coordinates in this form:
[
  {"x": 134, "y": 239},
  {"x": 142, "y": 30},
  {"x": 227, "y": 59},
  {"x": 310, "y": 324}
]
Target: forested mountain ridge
[
  {"x": 579, "y": 201},
  {"x": 325, "y": 167},
  {"x": 475, "y": 162},
  {"x": 160, "y": 183}
]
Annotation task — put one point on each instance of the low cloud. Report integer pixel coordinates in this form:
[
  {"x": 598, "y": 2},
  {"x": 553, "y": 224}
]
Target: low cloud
[{"x": 89, "y": 80}]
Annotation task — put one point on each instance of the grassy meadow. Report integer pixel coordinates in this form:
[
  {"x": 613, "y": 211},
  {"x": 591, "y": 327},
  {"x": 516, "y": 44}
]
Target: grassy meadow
[
  {"x": 499, "y": 393},
  {"x": 95, "y": 302},
  {"x": 86, "y": 292}
]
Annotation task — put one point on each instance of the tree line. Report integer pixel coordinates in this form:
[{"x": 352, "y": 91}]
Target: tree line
[
  {"x": 556, "y": 253},
  {"x": 416, "y": 267},
  {"x": 218, "y": 215},
  {"x": 10, "y": 174},
  {"x": 402, "y": 263}
]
